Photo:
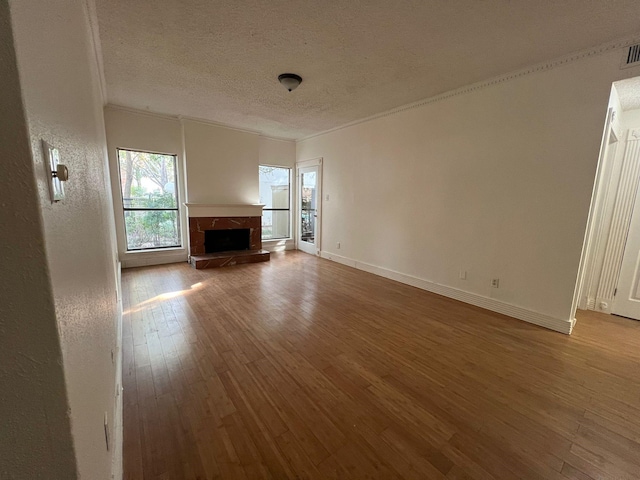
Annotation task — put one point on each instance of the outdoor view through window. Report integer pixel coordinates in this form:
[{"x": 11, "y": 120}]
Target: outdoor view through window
[
  {"x": 275, "y": 185},
  {"x": 149, "y": 199}
]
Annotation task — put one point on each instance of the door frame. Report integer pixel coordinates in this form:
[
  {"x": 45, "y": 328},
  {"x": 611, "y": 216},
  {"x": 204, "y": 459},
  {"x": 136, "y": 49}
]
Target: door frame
[
  {"x": 594, "y": 228},
  {"x": 604, "y": 242},
  {"x": 313, "y": 162}
]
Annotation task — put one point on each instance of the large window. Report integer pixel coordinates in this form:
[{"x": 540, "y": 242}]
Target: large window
[
  {"x": 149, "y": 189},
  {"x": 275, "y": 188}
]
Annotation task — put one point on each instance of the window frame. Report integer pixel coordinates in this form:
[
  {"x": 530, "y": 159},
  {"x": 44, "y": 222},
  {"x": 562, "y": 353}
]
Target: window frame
[
  {"x": 290, "y": 229},
  {"x": 138, "y": 209}
]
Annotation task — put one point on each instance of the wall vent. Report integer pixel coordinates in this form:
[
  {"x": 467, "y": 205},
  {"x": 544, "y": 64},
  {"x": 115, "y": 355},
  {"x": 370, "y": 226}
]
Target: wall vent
[{"x": 631, "y": 57}]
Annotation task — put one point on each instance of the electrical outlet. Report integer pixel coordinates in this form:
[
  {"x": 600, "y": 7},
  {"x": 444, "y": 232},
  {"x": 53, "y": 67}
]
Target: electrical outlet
[
  {"x": 463, "y": 275},
  {"x": 495, "y": 282},
  {"x": 338, "y": 245}
]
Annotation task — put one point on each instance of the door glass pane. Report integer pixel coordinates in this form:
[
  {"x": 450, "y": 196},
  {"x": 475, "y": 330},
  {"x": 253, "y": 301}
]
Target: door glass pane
[{"x": 308, "y": 207}]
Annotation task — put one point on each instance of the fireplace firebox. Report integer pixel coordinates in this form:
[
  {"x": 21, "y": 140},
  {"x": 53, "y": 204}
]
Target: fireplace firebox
[
  {"x": 222, "y": 241},
  {"x": 227, "y": 240}
]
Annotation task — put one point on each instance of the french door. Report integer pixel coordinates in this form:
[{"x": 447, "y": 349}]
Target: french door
[{"x": 309, "y": 200}]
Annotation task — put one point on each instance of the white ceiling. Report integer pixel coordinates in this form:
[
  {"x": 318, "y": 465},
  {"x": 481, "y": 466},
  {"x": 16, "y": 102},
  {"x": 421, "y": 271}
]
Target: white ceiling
[
  {"x": 629, "y": 93},
  {"x": 219, "y": 59}
]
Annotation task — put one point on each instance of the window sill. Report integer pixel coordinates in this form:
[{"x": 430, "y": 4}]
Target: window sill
[
  {"x": 156, "y": 251},
  {"x": 277, "y": 240}
]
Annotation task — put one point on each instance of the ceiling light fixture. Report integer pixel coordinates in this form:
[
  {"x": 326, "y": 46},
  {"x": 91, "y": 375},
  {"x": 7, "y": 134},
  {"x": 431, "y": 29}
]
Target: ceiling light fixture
[{"x": 290, "y": 80}]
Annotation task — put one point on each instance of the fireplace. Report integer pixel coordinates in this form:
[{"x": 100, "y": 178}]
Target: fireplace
[
  {"x": 227, "y": 240},
  {"x": 221, "y": 235}
]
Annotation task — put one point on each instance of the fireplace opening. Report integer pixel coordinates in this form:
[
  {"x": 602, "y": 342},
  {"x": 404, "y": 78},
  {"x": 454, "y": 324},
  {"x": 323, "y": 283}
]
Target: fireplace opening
[{"x": 227, "y": 240}]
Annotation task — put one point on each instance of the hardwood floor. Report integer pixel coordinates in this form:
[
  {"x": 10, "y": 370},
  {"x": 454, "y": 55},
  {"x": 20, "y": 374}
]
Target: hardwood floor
[{"x": 304, "y": 368}]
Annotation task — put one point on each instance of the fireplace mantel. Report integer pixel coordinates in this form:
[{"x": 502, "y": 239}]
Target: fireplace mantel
[{"x": 224, "y": 210}]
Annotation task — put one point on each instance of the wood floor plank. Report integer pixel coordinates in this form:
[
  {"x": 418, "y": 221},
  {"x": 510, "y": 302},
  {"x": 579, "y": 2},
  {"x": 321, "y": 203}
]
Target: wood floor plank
[{"x": 304, "y": 368}]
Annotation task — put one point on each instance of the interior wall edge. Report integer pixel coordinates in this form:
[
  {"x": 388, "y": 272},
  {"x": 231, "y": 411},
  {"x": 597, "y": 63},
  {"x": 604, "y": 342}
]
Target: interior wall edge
[{"x": 117, "y": 468}]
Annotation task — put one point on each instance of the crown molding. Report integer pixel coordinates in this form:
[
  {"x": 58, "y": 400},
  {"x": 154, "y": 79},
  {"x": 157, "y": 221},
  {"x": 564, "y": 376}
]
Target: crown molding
[
  {"x": 536, "y": 68},
  {"x": 182, "y": 118},
  {"x": 96, "y": 46}
]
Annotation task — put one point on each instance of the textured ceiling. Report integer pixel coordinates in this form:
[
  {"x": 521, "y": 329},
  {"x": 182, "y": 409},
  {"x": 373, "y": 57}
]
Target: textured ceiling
[
  {"x": 219, "y": 60},
  {"x": 629, "y": 93}
]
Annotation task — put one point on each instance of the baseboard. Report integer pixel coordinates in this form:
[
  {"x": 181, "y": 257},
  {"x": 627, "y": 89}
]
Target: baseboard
[
  {"x": 552, "y": 323},
  {"x": 117, "y": 472}
]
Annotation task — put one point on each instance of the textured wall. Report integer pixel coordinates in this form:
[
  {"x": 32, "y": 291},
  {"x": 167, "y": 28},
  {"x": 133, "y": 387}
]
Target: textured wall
[
  {"x": 63, "y": 104},
  {"x": 35, "y": 435}
]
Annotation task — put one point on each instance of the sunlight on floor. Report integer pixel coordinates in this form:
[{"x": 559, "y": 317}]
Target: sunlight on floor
[{"x": 162, "y": 297}]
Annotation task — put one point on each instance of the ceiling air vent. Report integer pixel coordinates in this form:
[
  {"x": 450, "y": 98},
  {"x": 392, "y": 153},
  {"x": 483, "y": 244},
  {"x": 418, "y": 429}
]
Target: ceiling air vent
[{"x": 632, "y": 57}]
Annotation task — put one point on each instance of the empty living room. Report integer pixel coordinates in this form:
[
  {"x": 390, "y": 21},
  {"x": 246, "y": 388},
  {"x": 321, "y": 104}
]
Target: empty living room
[{"x": 319, "y": 240}]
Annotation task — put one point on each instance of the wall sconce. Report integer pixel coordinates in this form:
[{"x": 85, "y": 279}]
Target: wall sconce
[{"x": 56, "y": 172}]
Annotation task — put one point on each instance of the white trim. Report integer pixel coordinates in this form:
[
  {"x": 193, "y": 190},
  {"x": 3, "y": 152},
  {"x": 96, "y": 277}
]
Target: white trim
[
  {"x": 224, "y": 210},
  {"x": 593, "y": 232},
  {"x": 540, "y": 67},
  {"x": 117, "y": 471},
  {"x": 552, "y": 323},
  {"x": 143, "y": 259},
  {"x": 312, "y": 162},
  {"x": 96, "y": 45}
]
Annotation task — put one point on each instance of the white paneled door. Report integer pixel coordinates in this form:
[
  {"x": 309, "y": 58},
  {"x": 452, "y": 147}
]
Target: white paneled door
[{"x": 627, "y": 299}]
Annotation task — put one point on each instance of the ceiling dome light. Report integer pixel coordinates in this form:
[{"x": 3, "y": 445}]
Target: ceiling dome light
[{"x": 290, "y": 80}]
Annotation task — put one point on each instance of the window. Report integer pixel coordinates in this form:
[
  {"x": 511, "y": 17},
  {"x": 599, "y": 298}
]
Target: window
[
  {"x": 275, "y": 188},
  {"x": 149, "y": 189}
]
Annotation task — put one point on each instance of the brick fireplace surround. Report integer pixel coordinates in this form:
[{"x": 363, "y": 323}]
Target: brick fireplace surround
[{"x": 224, "y": 217}]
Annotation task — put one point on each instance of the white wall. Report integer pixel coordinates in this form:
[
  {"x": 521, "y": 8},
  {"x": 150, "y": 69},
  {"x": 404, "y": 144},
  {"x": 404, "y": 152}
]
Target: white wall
[
  {"x": 148, "y": 133},
  {"x": 63, "y": 105},
  {"x": 222, "y": 164},
  {"x": 496, "y": 181},
  {"x": 277, "y": 153}
]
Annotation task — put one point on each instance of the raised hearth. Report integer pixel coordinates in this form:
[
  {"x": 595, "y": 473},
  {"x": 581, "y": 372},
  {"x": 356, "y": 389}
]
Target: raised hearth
[{"x": 224, "y": 259}]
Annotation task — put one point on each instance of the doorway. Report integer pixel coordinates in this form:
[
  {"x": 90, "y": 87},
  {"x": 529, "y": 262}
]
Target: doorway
[
  {"x": 309, "y": 205},
  {"x": 610, "y": 269}
]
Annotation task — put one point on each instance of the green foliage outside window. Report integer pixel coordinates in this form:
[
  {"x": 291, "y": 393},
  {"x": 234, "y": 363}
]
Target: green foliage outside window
[{"x": 150, "y": 199}]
